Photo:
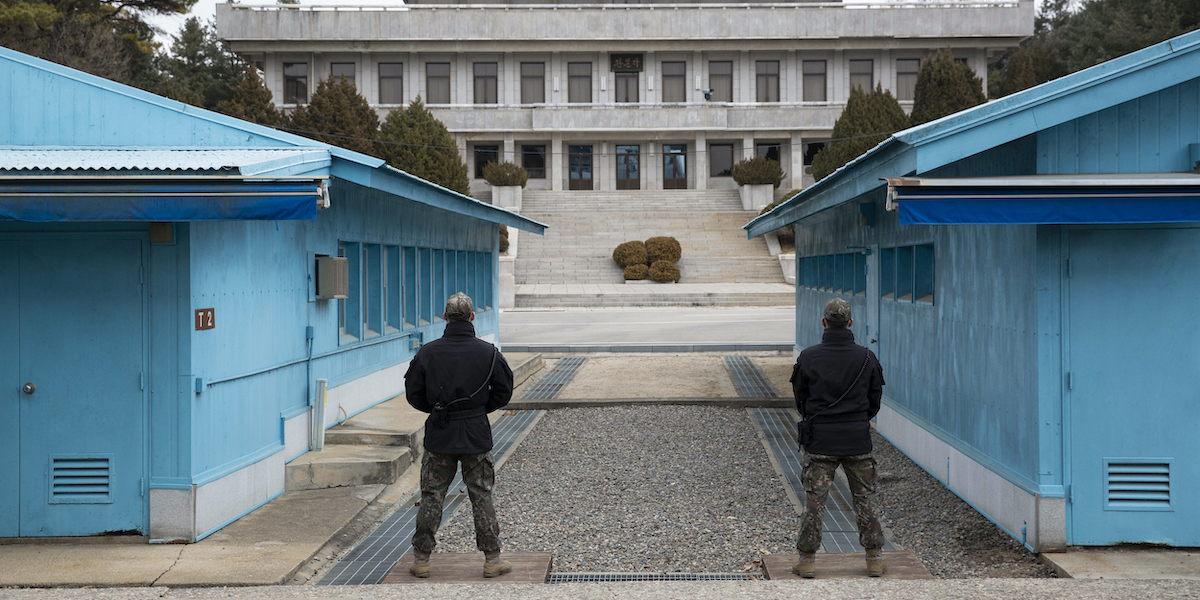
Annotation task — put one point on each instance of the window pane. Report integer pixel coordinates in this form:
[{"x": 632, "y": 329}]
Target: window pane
[
  {"x": 720, "y": 81},
  {"x": 533, "y": 158},
  {"x": 848, "y": 274},
  {"x": 887, "y": 273},
  {"x": 768, "y": 151},
  {"x": 426, "y": 288},
  {"x": 814, "y": 81},
  {"x": 437, "y": 83},
  {"x": 904, "y": 273},
  {"x": 860, "y": 274},
  {"x": 373, "y": 299},
  {"x": 579, "y": 82},
  {"x": 485, "y": 83},
  {"x": 483, "y": 156},
  {"x": 439, "y": 284},
  {"x": 627, "y": 87},
  {"x": 767, "y": 80},
  {"x": 533, "y": 83},
  {"x": 412, "y": 284},
  {"x": 488, "y": 287},
  {"x": 295, "y": 83},
  {"x": 906, "y": 78},
  {"x": 391, "y": 83},
  {"x": 862, "y": 74},
  {"x": 721, "y": 157},
  {"x": 353, "y": 304},
  {"x": 344, "y": 71},
  {"x": 674, "y": 81},
  {"x": 395, "y": 288},
  {"x": 923, "y": 269},
  {"x": 811, "y": 267}
]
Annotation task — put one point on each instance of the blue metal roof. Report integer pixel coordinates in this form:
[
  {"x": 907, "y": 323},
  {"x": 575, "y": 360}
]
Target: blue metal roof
[
  {"x": 234, "y": 161},
  {"x": 926, "y": 147}
]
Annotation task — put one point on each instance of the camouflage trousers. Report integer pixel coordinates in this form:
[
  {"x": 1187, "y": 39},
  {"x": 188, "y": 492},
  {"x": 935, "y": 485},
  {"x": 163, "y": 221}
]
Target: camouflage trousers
[
  {"x": 437, "y": 472},
  {"x": 817, "y": 478}
]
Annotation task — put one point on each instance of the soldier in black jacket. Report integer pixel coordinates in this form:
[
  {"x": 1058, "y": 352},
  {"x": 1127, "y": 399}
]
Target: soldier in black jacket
[
  {"x": 838, "y": 385},
  {"x": 458, "y": 379}
]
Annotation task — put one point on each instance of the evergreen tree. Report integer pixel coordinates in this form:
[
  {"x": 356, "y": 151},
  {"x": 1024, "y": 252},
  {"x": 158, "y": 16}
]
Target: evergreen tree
[
  {"x": 251, "y": 100},
  {"x": 200, "y": 69},
  {"x": 337, "y": 109},
  {"x": 944, "y": 87},
  {"x": 423, "y": 147},
  {"x": 869, "y": 117}
]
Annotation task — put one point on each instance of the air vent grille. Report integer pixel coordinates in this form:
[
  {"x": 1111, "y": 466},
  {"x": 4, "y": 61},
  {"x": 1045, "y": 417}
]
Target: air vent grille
[
  {"x": 1138, "y": 484},
  {"x": 80, "y": 480}
]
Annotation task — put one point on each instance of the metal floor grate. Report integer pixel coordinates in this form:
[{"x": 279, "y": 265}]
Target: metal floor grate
[
  {"x": 839, "y": 529},
  {"x": 749, "y": 379},
  {"x": 378, "y": 553},
  {"x": 620, "y": 577},
  {"x": 549, "y": 386}
]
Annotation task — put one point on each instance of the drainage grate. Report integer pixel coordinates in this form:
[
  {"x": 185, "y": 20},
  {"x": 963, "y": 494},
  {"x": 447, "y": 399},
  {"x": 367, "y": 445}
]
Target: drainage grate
[
  {"x": 377, "y": 555},
  {"x": 750, "y": 381},
  {"x": 549, "y": 386},
  {"x": 620, "y": 577},
  {"x": 839, "y": 529}
]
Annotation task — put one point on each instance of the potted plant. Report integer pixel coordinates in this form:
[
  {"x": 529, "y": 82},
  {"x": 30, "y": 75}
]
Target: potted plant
[
  {"x": 757, "y": 177},
  {"x": 507, "y": 179}
]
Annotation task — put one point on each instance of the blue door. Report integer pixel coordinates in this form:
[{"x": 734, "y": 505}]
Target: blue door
[
  {"x": 10, "y": 398},
  {"x": 1133, "y": 358},
  {"x": 79, "y": 399}
]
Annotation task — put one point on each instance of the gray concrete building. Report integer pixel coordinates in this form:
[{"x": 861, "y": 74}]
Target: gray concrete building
[{"x": 612, "y": 96}]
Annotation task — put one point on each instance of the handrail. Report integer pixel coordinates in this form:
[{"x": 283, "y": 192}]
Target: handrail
[{"x": 292, "y": 363}]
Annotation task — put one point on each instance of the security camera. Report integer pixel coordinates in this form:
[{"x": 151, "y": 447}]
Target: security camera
[{"x": 707, "y": 95}]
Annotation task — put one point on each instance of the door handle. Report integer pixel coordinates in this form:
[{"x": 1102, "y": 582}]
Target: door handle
[
  {"x": 874, "y": 341},
  {"x": 29, "y": 388}
]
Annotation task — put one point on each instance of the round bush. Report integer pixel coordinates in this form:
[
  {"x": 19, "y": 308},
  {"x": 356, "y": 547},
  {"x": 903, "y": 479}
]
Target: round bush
[
  {"x": 630, "y": 253},
  {"x": 664, "y": 271},
  {"x": 757, "y": 171},
  {"x": 505, "y": 173},
  {"x": 636, "y": 272},
  {"x": 503, "y": 239},
  {"x": 663, "y": 248}
]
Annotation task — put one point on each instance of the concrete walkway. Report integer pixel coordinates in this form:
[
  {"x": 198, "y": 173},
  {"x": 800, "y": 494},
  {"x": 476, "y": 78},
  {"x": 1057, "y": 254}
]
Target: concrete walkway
[
  {"x": 1127, "y": 562},
  {"x": 654, "y": 294}
]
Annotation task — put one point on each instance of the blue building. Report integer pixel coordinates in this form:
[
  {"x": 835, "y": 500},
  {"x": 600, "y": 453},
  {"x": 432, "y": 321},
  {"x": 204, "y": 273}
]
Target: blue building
[
  {"x": 1026, "y": 272},
  {"x": 162, "y": 328}
]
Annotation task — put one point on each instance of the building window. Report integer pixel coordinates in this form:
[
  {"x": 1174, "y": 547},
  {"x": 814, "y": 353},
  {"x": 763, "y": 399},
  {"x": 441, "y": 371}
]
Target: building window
[
  {"x": 351, "y": 313},
  {"x": 412, "y": 286},
  {"x": 720, "y": 80},
  {"x": 295, "y": 83},
  {"x": 887, "y": 273},
  {"x": 767, "y": 151},
  {"x": 439, "y": 284},
  {"x": 923, "y": 273},
  {"x": 627, "y": 87},
  {"x": 721, "y": 157},
  {"x": 391, "y": 83},
  {"x": 579, "y": 82},
  {"x": 766, "y": 74},
  {"x": 372, "y": 284},
  {"x": 904, "y": 274},
  {"x": 343, "y": 71},
  {"x": 393, "y": 289},
  {"x": 437, "y": 83},
  {"x": 425, "y": 316},
  {"x": 485, "y": 83},
  {"x": 533, "y": 158},
  {"x": 862, "y": 74},
  {"x": 860, "y": 274},
  {"x": 906, "y": 78},
  {"x": 483, "y": 156},
  {"x": 674, "y": 82},
  {"x": 533, "y": 83},
  {"x": 814, "y": 80}
]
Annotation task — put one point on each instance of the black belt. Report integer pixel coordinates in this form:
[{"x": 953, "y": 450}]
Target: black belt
[
  {"x": 459, "y": 415},
  {"x": 843, "y": 418}
]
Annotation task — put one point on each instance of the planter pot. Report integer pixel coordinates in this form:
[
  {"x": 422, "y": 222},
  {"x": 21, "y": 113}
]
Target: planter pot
[
  {"x": 507, "y": 196},
  {"x": 787, "y": 262},
  {"x": 646, "y": 281},
  {"x": 508, "y": 288},
  {"x": 755, "y": 197}
]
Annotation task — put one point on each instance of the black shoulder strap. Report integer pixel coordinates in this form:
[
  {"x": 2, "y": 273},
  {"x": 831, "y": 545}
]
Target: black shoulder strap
[
  {"x": 486, "y": 380},
  {"x": 866, "y": 359}
]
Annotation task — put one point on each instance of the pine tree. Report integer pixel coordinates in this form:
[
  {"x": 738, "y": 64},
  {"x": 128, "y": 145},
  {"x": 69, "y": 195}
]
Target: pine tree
[
  {"x": 250, "y": 100},
  {"x": 337, "y": 109},
  {"x": 869, "y": 117},
  {"x": 423, "y": 147},
  {"x": 200, "y": 70},
  {"x": 944, "y": 87}
]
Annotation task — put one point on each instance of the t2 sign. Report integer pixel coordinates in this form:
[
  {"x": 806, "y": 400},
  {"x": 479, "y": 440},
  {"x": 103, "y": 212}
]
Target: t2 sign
[{"x": 206, "y": 318}]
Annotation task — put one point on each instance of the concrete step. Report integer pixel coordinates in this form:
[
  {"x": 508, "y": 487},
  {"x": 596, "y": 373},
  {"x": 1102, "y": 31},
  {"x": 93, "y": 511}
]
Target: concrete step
[
  {"x": 344, "y": 465},
  {"x": 637, "y": 300}
]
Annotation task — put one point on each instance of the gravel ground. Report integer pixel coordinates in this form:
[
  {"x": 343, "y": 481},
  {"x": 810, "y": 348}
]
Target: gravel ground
[
  {"x": 950, "y": 537},
  {"x": 643, "y": 488}
]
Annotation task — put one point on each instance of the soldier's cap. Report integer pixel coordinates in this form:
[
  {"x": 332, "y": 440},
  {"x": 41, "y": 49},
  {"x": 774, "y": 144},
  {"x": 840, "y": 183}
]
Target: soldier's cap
[{"x": 837, "y": 311}]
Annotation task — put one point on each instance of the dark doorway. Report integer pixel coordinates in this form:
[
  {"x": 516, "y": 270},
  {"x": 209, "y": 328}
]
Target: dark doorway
[
  {"x": 629, "y": 175},
  {"x": 580, "y": 167},
  {"x": 674, "y": 166}
]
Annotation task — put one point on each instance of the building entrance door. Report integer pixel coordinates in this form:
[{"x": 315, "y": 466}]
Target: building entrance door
[
  {"x": 629, "y": 175},
  {"x": 580, "y": 167},
  {"x": 1132, "y": 403},
  {"x": 71, "y": 367},
  {"x": 674, "y": 167}
]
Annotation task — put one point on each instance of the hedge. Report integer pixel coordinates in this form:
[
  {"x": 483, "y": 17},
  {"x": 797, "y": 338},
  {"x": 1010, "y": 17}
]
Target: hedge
[
  {"x": 664, "y": 271},
  {"x": 757, "y": 171},
  {"x": 505, "y": 173},
  {"x": 630, "y": 253},
  {"x": 636, "y": 272},
  {"x": 663, "y": 248}
]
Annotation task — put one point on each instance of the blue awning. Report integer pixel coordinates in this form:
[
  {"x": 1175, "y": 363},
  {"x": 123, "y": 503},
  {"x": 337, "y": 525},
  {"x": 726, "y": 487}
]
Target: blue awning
[
  {"x": 1091, "y": 199},
  {"x": 58, "y": 199}
]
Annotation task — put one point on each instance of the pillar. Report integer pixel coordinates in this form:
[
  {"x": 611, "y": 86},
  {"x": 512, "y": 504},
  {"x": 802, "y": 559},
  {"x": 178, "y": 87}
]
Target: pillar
[
  {"x": 747, "y": 146},
  {"x": 701, "y": 162},
  {"x": 796, "y": 172},
  {"x": 508, "y": 151},
  {"x": 557, "y": 158}
]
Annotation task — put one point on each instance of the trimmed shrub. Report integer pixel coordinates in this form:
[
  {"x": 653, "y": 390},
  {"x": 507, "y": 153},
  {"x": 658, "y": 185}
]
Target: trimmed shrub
[
  {"x": 636, "y": 272},
  {"x": 662, "y": 248},
  {"x": 630, "y": 253},
  {"x": 505, "y": 173},
  {"x": 664, "y": 271},
  {"x": 504, "y": 239},
  {"x": 758, "y": 171}
]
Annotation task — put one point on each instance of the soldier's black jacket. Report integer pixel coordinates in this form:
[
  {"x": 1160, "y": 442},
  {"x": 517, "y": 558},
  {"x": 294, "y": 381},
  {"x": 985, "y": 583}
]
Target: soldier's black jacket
[
  {"x": 821, "y": 374},
  {"x": 451, "y": 367}
]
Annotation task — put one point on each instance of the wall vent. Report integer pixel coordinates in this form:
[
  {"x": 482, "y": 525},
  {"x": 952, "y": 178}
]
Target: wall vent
[
  {"x": 333, "y": 278},
  {"x": 1137, "y": 484},
  {"x": 76, "y": 479}
]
